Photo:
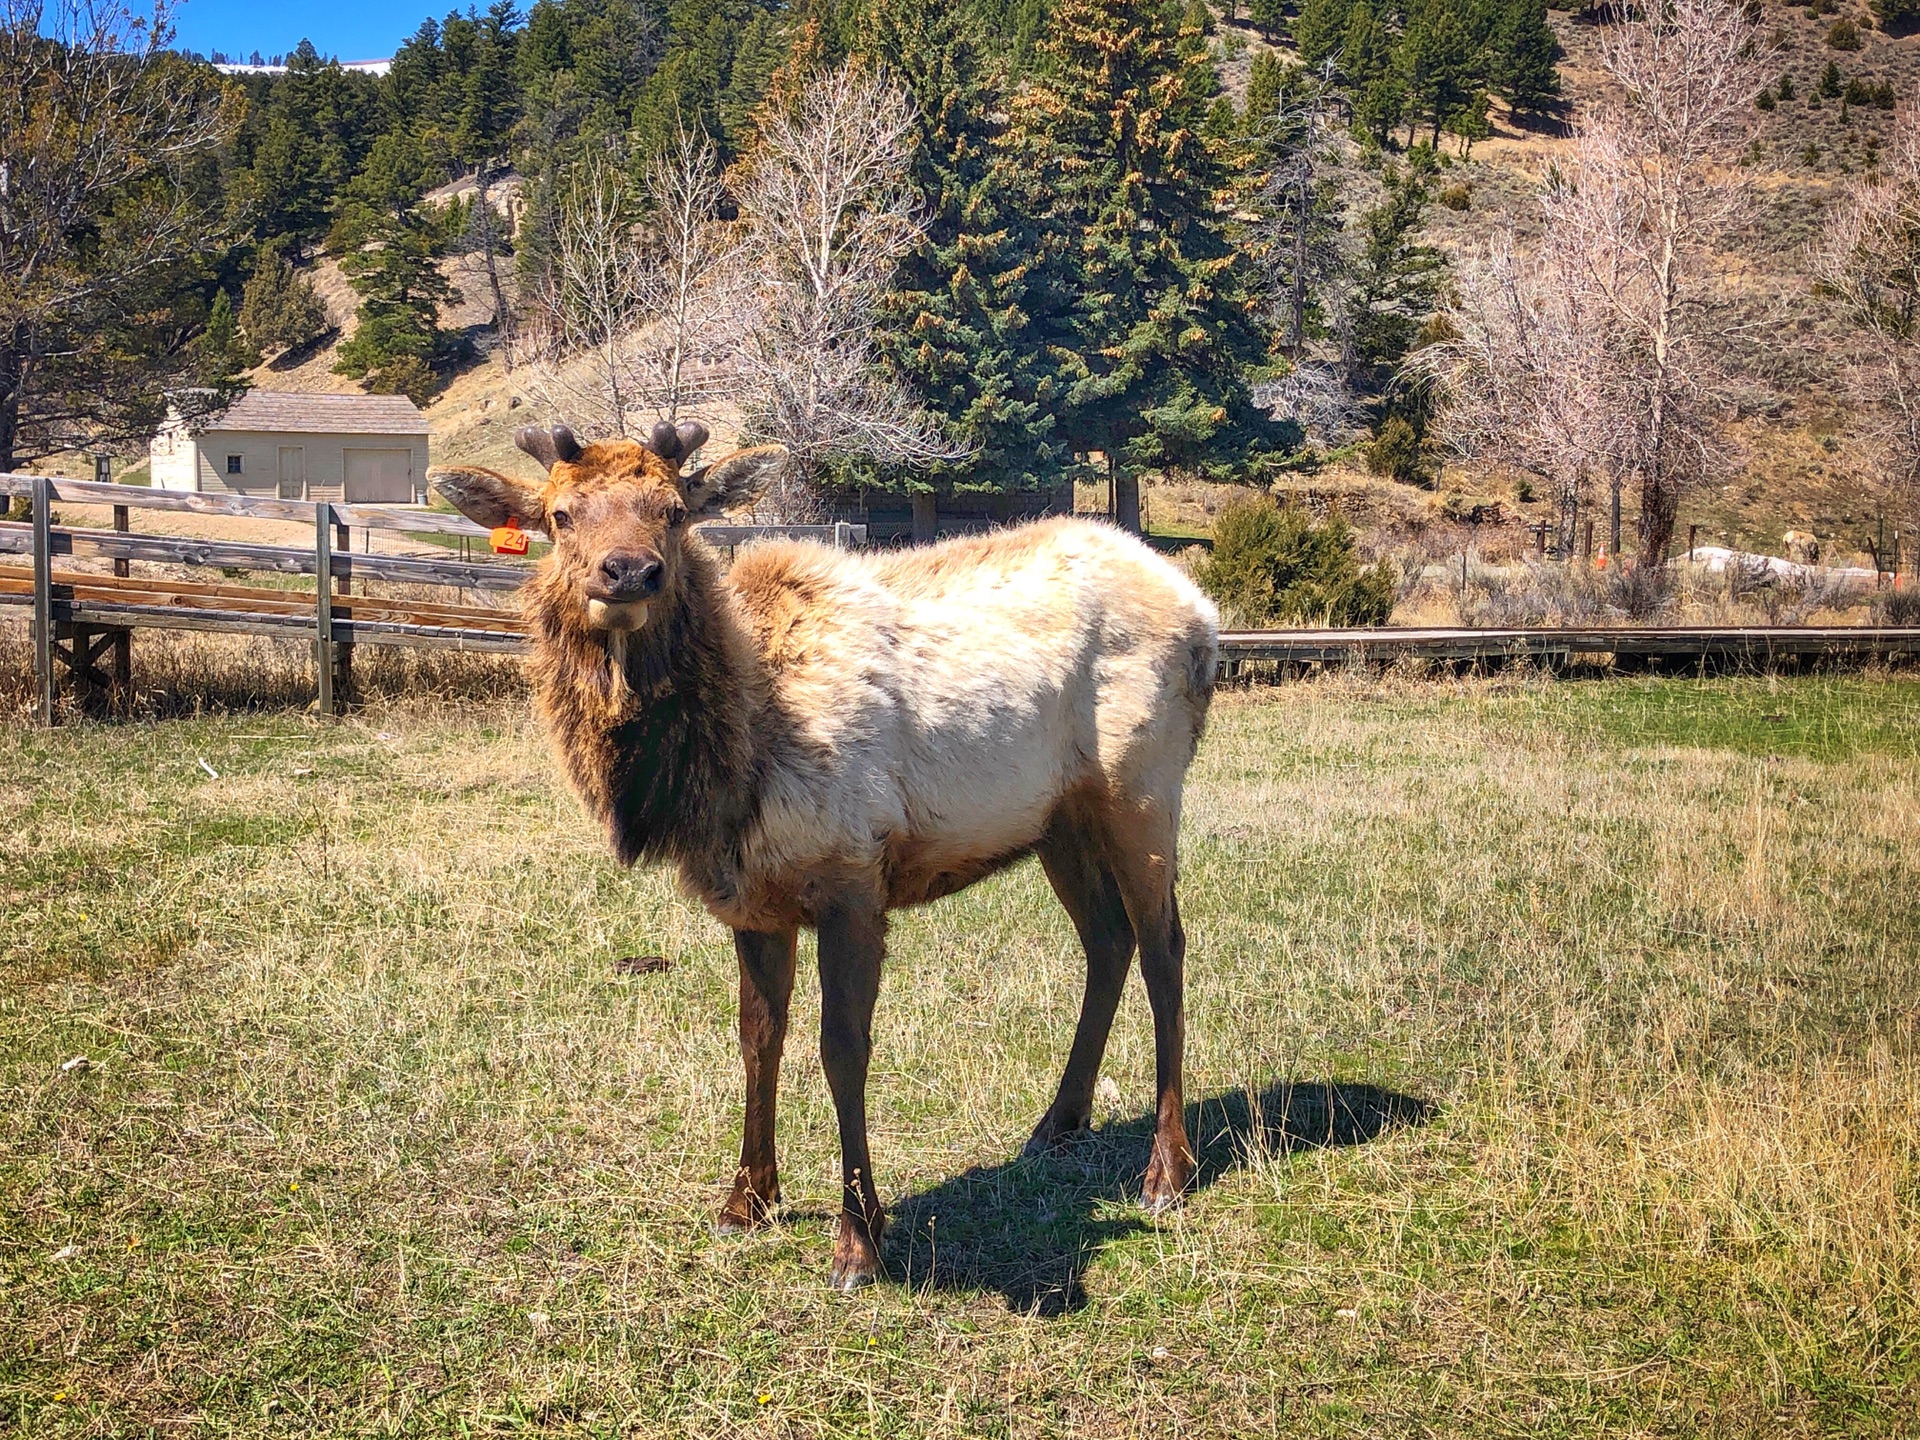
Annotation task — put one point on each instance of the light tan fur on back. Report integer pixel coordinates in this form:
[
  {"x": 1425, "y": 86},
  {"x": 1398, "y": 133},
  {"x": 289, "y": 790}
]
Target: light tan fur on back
[{"x": 944, "y": 702}]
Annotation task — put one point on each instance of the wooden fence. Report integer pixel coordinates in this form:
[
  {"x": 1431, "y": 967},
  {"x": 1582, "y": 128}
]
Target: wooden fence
[{"x": 78, "y": 617}]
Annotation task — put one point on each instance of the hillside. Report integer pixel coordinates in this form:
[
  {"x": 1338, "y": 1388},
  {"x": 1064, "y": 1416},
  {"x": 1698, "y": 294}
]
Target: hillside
[{"x": 1798, "y": 466}]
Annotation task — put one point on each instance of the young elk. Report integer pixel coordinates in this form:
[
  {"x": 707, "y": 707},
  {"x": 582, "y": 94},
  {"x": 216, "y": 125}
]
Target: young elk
[{"x": 818, "y": 738}]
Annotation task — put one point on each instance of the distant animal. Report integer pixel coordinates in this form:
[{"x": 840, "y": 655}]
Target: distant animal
[
  {"x": 817, "y": 738},
  {"x": 1802, "y": 547}
]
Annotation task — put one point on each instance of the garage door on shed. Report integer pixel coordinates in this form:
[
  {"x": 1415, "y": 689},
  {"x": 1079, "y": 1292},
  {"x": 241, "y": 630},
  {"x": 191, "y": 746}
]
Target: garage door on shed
[{"x": 379, "y": 475}]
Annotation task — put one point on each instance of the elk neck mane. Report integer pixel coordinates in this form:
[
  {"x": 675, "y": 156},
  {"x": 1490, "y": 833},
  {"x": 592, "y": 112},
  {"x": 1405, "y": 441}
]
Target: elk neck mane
[{"x": 661, "y": 750}]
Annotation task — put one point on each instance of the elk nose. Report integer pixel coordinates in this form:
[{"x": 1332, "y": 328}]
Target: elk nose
[{"x": 630, "y": 576}]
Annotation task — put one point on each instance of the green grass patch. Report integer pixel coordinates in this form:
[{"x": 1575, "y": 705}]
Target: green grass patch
[{"x": 1552, "y": 1064}]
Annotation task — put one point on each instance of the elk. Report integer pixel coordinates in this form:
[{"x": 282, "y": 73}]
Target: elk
[{"x": 816, "y": 738}]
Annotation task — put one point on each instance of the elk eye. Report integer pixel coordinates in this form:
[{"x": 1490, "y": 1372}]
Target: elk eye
[
  {"x": 676, "y": 515},
  {"x": 562, "y": 520}
]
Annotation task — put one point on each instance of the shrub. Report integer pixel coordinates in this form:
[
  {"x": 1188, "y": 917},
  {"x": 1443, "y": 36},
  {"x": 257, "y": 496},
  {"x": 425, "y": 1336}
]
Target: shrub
[
  {"x": 1786, "y": 87},
  {"x": 1272, "y": 564},
  {"x": 1541, "y": 592},
  {"x": 1844, "y": 35},
  {"x": 1764, "y": 100},
  {"x": 1457, "y": 197},
  {"x": 1858, "y": 92},
  {"x": 1830, "y": 86},
  {"x": 1395, "y": 452},
  {"x": 1897, "y": 607}
]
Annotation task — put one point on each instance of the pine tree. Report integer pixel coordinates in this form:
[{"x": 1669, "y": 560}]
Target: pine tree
[
  {"x": 1161, "y": 336},
  {"x": 1266, "y": 15},
  {"x": 1367, "y": 65},
  {"x": 1441, "y": 57},
  {"x": 1395, "y": 277},
  {"x": 1523, "y": 54},
  {"x": 720, "y": 55},
  {"x": 220, "y": 351},
  {"x": 1266, "y": 83},
  {"x": 392, "y": 266},
  {"x": 279, "y": 310},
  {"x": 958, "y": 326},
  {"x": 1318, "y": 30}
]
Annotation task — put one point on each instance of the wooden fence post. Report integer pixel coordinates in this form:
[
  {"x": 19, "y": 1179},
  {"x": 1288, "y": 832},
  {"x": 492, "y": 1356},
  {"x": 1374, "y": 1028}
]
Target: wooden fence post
[
  {"x": 343, "y": 652},
  {"x": 323, "y": 603},
  {"x": 43, "y": 683},
  {"x": 123, "y": 641}
]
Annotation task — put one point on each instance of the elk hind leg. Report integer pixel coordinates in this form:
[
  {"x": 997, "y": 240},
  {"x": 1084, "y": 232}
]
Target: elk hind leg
[
  {"x": 1070, "y": 855},
  {"x": 1144, "y": 862}
]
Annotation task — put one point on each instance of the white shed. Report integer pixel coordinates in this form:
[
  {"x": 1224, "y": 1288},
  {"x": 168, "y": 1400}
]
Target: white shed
[{"x": 353, "y": 448}]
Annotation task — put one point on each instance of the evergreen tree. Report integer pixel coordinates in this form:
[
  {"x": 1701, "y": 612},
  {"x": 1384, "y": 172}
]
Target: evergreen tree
[
  {"x": 393, "y": 269},
  {"x": 1160, "y": 342},
  {"x": 1523, "y": 55},
  {"x": 720, "y": 56},
  {"x": 1298, "y": 233},
  {"x": 1266, "y": 83},
  {"x": 279, "y": 310},
  {"x": 958, "y": 326},
  {"x": 1395, "y": 278},
  {"x": 1266, "y": 15},
  {"x": 1367, "y": 65},
  {"x": 1318, "y": 29},
  {"x": 1441, "y": 60},
  {"x": 220, "y": 351}
]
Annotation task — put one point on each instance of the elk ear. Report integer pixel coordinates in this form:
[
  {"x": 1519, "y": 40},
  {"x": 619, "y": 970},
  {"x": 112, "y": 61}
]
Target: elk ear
[
  {"x": 488, "y": 498},
  {"x": 733, "y": 480}
]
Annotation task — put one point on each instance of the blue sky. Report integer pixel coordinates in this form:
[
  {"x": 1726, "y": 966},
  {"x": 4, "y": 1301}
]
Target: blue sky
[{"x": 351, "y": 29}]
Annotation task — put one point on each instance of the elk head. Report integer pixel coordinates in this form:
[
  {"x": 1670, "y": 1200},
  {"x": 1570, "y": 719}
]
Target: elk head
[{"x": 617, "y": 511}]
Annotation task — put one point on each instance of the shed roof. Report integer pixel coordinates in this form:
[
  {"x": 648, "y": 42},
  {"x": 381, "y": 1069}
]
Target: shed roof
[{"x": 291, "y": 410}]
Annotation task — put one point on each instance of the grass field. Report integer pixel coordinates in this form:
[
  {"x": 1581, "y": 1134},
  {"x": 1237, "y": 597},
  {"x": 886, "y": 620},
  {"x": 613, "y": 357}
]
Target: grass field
[{"x": 1553, "y": 1055}]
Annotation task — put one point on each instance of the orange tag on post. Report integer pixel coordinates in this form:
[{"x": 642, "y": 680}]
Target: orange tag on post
[{"x": 509, "y": 539}]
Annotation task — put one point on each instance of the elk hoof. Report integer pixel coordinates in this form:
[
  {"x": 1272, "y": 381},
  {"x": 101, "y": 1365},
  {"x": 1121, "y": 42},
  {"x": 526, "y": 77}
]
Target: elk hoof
[
  {"x": 746, "y": 1209},
  {"x": 1165, "y": 1186},
  {"x": 856, "y": 1254},
  {"x": 846, "y": 1279},
  {"x": 1053, "y": 1135}
]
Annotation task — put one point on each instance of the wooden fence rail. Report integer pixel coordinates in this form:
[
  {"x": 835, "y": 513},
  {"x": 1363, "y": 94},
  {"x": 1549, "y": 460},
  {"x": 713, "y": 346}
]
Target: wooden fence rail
[{"x": 75, "y": 616}]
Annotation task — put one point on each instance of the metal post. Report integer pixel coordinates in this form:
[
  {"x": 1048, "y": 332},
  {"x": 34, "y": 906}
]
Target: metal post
[
  {"x": 323, "y": 603},
  {"x": 43, "y": 597},
  {"x": 1692, "y": 532},
  {"x": 1613, "y": 522},
  {"x": 842, "y": 535}
]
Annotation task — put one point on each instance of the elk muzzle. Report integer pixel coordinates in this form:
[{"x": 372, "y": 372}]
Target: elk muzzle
[{"x": 623, "y": 586}]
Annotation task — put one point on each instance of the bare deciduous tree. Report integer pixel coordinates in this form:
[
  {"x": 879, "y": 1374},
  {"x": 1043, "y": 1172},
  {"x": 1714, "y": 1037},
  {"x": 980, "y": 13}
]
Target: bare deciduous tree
[
  {"x": 1869, "y": 260},
  {"x": 1524, "y": 370},
  {"x": 831, "y": 209},
  {"x": 1600, "y": 356},
  {"x": 105, "y": 138},
  {"x": 638, "y": 317}
]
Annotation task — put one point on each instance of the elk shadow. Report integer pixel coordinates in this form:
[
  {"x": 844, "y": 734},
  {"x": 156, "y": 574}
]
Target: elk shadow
[{"x": 1030, "y": 1227}]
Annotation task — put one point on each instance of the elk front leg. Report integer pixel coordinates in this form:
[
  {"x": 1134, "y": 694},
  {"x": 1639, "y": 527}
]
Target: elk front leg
[
  {"x": 766, "y": 986},
  {"x": 852, "y": 946}
]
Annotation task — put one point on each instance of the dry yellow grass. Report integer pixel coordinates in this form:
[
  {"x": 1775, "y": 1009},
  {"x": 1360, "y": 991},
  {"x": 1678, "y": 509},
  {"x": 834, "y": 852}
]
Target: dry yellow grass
[{"x": 1605, "y": 994}]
